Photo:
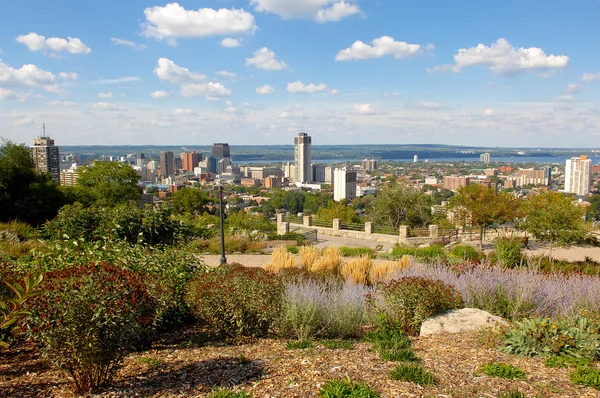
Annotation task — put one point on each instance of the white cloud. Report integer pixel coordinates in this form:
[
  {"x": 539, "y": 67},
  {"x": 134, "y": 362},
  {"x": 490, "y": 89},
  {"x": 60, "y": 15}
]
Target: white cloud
[
  {"x": 64, "y": 104},
  {"x": 68, "y": 76},
  {"x": 128, "y": 79},
  {"x": 488, "y": 112},
  {"x": 364, "y": 109},
  {"x": 212, "y": 99},
  {"x": 384, "y": 45},
  {"x": 180, "y": 111},
  {"x": 295, "y": 112},
  {"x": 230, "y": 42},
  {"x": 9, "y": 95},
  {"x": 128, "y": 43},
  {"x": 105, "y": 95},
  {"x": 171, "y": 72},
  {"x": 504, "y": 59},
  {"x": 265, "y": 59},
  {"x": 590, "y": 77},
  {"x": 173, "y": 21},
  {"x": 27, "y": 75},
  {"x": 574, "y": 88},
  {"x": 431, "y": 105},
  {"x": 334, "y": 91},
  {"x": 159, "y": 94},
  {"x": 209, "y": 89},
  {"x": 564, "y": 98},
  {"x": 299, "y": 87},
  {"x": 319, "y": 10},
  {"x": 264, "y": 90},
  {"x": 54, "y": 88},
  {"x": 36, "y": 42},
  {"x": 224, "y": 73},
  {"x": 106, "y": 106}
]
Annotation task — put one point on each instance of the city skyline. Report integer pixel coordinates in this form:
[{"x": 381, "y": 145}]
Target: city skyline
[{"x": 356, "y": 72}]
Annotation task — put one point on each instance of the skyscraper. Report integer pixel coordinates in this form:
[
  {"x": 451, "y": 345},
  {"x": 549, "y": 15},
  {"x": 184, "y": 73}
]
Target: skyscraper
[
  {"x": 166, "y": 163},
  {"x": 578, "y": 175},
  {"x": 302, "y": 146},
  {"x": 46, "y": 156},
  {"x": 221, "y": 150},
  {"x": 344, "y": 185},
  {"x": 191, "y": 160},
  {"x": 485, "y": 157}
]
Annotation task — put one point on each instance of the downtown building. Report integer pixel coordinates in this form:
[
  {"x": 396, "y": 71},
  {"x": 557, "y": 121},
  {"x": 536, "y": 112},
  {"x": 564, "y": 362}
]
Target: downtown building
[
  {"x": 221, "y": 150},
  {"x": 46, "y": 156},
  {"x": 344, "y": 185},
  {"x": 167, "y": 164},
  {"x": 578, "y": 175},
  {"x": 302, "y": 158}
]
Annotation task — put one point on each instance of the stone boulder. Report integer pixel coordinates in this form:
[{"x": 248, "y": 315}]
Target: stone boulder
[{"x": 456, "y": 321}]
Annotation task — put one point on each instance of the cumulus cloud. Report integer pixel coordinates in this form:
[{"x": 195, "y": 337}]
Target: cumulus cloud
[
  {"x": 295, "y": 112},
  {"x": 181, "y": 111},
  {"x": 385, "y": 45},
  {"x": 564, "y": 98},
  {"x": 65, "y": 104},
  {"x": 128, "y": 43},
  {"x": 364, "y": 109},
  {"x": 488, "y": 112},
  {"x": 504, "y": 59},
  {"x": 106, "y": 106},
  {"x": 224, "y": 73},
  {"x": 319, "y": 10},
  {"x": 265, "y": 59},
  {"x": 9, "y": 95},
  {"x": 171, "y": 72},
  {"x": 27, "y": 75},
  {"x": 210, "y": 89},
  {"x": 159, "y": 94},
  {"x": 590, "y": 77},
  {"x": 299, "y": 87},
  {"x": 119, "y": 80},
  {"x": 68, "y": 76},
  {"x": 431, "y": 105},
  {"x": 36, "y": 42},
  {"x": 173, "y": 21},
  {"x": 264, "y": 90},
  {"x": 334, "y": 91},
  {"x": 105, "y": 95},
  {"x": 574, "y": 88},
  {"x": 230, "y": 42}
]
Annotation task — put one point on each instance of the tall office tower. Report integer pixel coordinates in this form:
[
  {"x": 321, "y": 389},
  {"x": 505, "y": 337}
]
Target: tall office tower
[
  {"x": 166, "y": 164},
  {"x": 578, "y": 175},
  {"x": 46, "y": 157},
  {"x": 302, "y": 144},
  {"x": 344, "y": 185},
  {"x": 547, "y": 175},
  {"x": 191, "y": 160},
  {"x": 484, "y": 157},
  {"x": 140, "y": 159},
  {"x": 318, "y": 172},
  {"x": 222, "y": 165},
  {"x": 221, "y": 150}
]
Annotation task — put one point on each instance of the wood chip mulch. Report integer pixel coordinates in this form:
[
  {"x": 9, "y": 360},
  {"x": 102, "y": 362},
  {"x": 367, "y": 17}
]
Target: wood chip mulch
[{"x": 175, "y": 367}]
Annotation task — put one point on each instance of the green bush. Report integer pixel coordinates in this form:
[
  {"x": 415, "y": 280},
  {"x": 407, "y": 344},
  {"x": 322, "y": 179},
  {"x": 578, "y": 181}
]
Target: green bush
[
  {"x": 503, "y": 370},
  {"x": 409, "y": 301},
  {"x": 576, "y": 337},
  {"x": 556, "y": 361},
  {"x": 338, "y": 344},
  {"x": 414, "y": 373},
  {"x": 236, "y": 301},
  {"x": 233, "y": 244},
  {"x": 586, "y": 376},
  {"x": 466, "y": 252},
  {"x": 430, "y": 253},
  {"x": 293, "y": 249},
  {"x": 299, "y": 345},
  {"x": 346, "y": 251},
  {"x": 89, "y": 318},
  {"x": 498, "y": 302},
  {"x": 390, "y": 342},
  {"x": 345, "y": 388},
  {"x": 222, "y": 393},
  {"x": 508, "y": 252},
  {"x": 299, "y": 238}
]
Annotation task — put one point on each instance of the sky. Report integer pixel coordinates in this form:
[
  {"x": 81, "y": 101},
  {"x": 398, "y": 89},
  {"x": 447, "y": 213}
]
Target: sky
[{"x": 515, "y": 73}]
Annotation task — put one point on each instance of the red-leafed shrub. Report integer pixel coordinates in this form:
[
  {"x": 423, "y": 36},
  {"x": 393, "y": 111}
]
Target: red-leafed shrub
[
  {"x": 88, "y": 319},
  {"x": 409, "y": 301},
  {"x": 236, "y": 301}
]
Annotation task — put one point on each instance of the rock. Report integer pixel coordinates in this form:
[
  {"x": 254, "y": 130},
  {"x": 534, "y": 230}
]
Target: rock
[{"x": 456, "y": 321}]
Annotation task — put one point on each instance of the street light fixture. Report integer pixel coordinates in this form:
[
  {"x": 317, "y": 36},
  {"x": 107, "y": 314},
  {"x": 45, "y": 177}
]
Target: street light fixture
[{"x": 223, "y": 259}]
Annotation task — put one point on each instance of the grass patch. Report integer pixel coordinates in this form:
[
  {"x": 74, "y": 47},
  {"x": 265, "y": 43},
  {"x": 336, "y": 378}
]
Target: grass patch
[
  {"x": 150, "y": 361},
  {"x": 399, "y": 355},
  {"x": 504, "y": 371},
  {"x": 299, "y": 345},
  {"x": 510, "y": 394},
  {"x": 414, "y": 373},
  {"x": 565, "y": 362},
  {"x": 338, "y": 344},
  {"x": 391, "y": 344},
  {"x": 586, "y": 376},
  {"x": 222, "y": 393},
  {"x": 345, "y": 388},
  {"x": 346, "y": 251}
]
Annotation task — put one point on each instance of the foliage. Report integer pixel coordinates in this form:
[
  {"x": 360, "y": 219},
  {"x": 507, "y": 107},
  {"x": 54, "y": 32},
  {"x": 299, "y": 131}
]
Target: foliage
[
  {"x": 299, "y": 345},
  {"x": 508, "y": 252},
  {"x": 346, "y": 251},
  {"x": 293, "y": 249},
  {"x": 503, "y": 370},
  {"x": 299, "y": 238},
  {"x": 431, "y": 253},
  {"x": 337, "y": 210},
  {"x": 11, "y": 309},
  {"x": 240, "y": 222},
  {"x": 236, "y": 301},
  {"x": 400, "y": 204},
  {"x": 89, "y": 318},
  {"x": 466, "y": 252},
  {"x": 390, "y": 342},
  {"x": 338, "y": 344},
  {"x": 554, "y": 218},
  {"x": 383, "y": 272},
  {"x": 190, "y": 200},
  {"x": 586, "y": 376},
  {"x": 292, "y": 201},
  {"x": 233, "y": 244},
  {"x": 510, "y": 394},
  {"x": 345, "y": 388},
  {"x": 107, "y": 184},
  {"x": 414, "y": 373},
  {"x": 222, "y": 393},
  {"x": 24, "y": 194},
  {"x": 577, "y": 337},
  {"x": 409, "y": 301},
  {"x": 557, "y": 361}
]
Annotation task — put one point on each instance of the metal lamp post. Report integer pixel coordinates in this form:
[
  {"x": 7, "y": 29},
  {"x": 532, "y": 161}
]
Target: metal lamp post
[{"x": 223, "y": 259}]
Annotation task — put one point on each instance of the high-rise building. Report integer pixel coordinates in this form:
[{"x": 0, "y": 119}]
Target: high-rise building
[
  {"x": 578, "y": 175},
  {"x": 454, "y": 183},
  {"x": 191, "y": 160},
  {"x": 46, "y": 156},
  {"x": 416, "y": 158},
  {"x": 221, "y": 150},
  {"x": 302, "y": 149},
  {"x": 166, "y": 164},
  {"x": 140, "y": 158},
  {"x": 68, "y": 177},
  {"x": 485, "y": 158},
  {"x": 222, "y": 165},
  {"x": 370, "y": 164},
  {"x": 318, "y": 172},
  {"x": 344, "y": 185}
]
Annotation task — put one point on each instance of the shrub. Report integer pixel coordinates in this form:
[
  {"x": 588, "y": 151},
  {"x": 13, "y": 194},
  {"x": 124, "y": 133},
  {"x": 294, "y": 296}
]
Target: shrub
[
  {"x": 390, "y": 342},
  {"x": 432, "y": 253},
  {"x": 414, "y": 373},
  {"x": 497, "y": 301},
  {"x": 345, "y": 311},
  {"x": 299, "y": 345},
  {"x": 89, "y": 318},
  {"x": 331, "y": 261},
  {"x": 503, "y": 370},
  {"x": 576, "y": 337},
  {"x": 236, "y": 301},
  {"x": 466, "y": 252},
  {"x": 346, "y": 251},
  {"x": 302, "y": 309},
  {"x": 222, "y": 393},
  {"x": 357, "y": 270},
  {"x": 281, "y": 259},
  {"x": 555, "y": 361},
  {"x": 345, "y": 388},
  {"x": 338, "y": 344},
  {"x": 308, "y": 255},
  {"x": 411, "y": 300},
  {"x": 383, "y": 272},
  {"x": 293, "y": 249},
  {"x": 11, "y": 310},
  {"x": 233, "y": 244},
  {"x": 586, "y": 376},
  {"x": 508, "y": 252}
]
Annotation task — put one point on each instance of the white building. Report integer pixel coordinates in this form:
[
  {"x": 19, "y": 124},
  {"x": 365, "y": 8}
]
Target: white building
[
  {"x": 416, "y": 159},
  {"x": 485, "y": 158},
  {"x": 302, "y": 158},
  {"x": 344, "y": 185},
  {"x": 578, "y": 175}
]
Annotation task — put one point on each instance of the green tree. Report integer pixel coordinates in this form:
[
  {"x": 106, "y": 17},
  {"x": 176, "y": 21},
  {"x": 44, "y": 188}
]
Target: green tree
[
  {"x": 190, "y": 200},
  {"x": 593, "y": 211},
  {"x": 108, "y": 184},
  {"x": 400, "y": 204},
  {"x": 479, "y": 206},
  {"x": 338, "y": 210},
  {"x": 554, "y": 218},
  {"x": 313, "y": 202},
  {"x": 292, "y": 201}
]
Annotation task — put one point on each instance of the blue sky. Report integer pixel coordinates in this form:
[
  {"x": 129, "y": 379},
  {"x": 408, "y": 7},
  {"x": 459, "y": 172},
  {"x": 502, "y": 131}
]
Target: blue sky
[{"x": 511, "y": 73}]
